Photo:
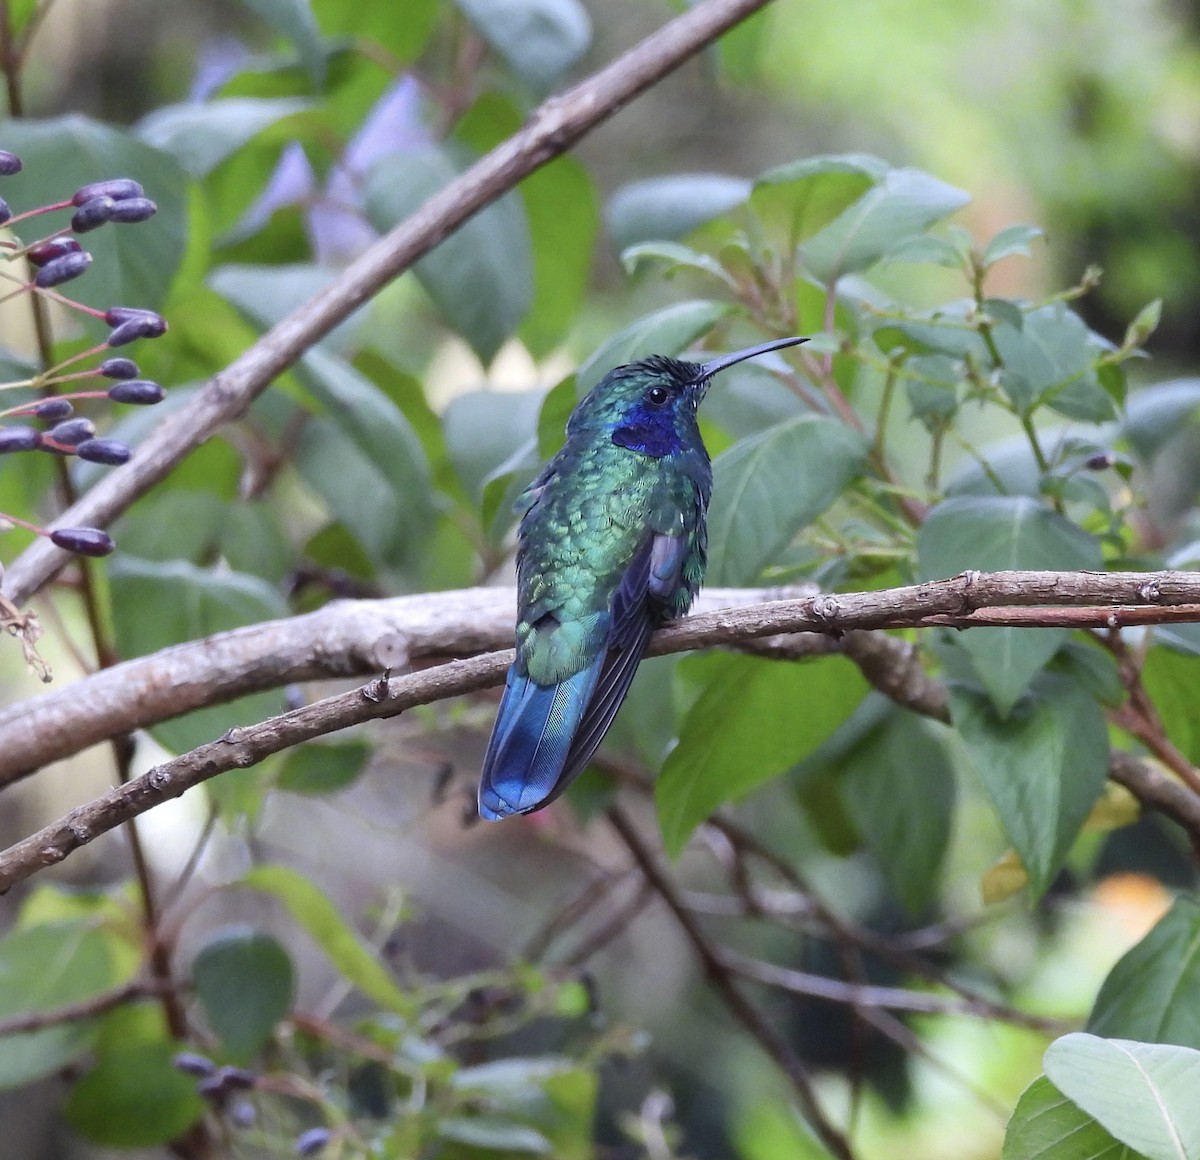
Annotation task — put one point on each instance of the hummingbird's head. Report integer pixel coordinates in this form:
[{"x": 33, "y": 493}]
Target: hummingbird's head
[{"x": 650, "y": 406}]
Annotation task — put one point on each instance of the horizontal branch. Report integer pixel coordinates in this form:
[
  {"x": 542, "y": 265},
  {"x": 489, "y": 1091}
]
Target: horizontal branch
[
  {"x": 348, "y": 638},
  {"x": 1114, "y": 594},
  {"x": 553, "y": 128}
]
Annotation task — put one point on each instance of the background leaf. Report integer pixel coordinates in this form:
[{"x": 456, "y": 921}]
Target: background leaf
[{"x": 1048, "y": 1126}]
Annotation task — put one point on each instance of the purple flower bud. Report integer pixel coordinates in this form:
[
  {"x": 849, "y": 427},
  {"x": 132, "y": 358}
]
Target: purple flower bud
[
  {"x": 119, "y": 368},
  {"x": 83, "y": 541},
  {"x": 5, "y": 212},
  {"x": 117, "y": 315},
  {"x": 133, "y": 209},
  {"x": 1100, "y": 461},
  {"x": 118, "y": 188},
  {"x": 19, "y": 439},
  {"x": 10, "y": 163},
  {"x": 93, "y": 214},
  {"x": 242, "y": 1114},
  {"x": 313, "y": 1141},
  {"x": 212, "y": 1089},
  {"x": 236, "y": 1079},
  {"x": 52, "y": 248},
  {"x": 52, "y": 410},
  {"x": 141, "y": 392},
  {"x": 72, "y": 432},
  {"x": 191, "y": 1063},
  {"x": 110, "y": 451},
  {"x": 60, "y": 270}
]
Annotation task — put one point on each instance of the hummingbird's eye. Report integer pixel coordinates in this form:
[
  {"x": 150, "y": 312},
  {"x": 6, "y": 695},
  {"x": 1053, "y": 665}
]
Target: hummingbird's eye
[{"x": 657, "y": 396}]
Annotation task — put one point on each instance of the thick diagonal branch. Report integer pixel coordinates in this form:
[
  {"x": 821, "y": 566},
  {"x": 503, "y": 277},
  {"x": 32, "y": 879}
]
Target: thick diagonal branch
[{"x": 552, "y": 129}]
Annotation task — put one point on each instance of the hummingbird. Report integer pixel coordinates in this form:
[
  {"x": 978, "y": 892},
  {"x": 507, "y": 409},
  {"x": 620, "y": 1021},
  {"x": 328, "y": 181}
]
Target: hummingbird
[{"x": 612, "y": 543}]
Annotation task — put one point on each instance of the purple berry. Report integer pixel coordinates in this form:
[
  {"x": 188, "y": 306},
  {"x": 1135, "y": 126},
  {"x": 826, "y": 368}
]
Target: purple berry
[
  {"x": 191, "y": 1063},
  {"x": 93, "y": 214},
  {"x": 242, "y": 1114},
  {"x": 50, "y": 249},
  {"x": 141, "y": 392},
  {"x": 236, "y": 1079},
  {"x": 313, "y": 1141},
  {"x": 110, "y": 451},
  {"x": 119, "y": 368},
  {"x": 133, "y": 209},
  {"x": 83, "y": 541},
  {"x": 52, "y": 410},
  {"x": 211, "y": 1089},
  {"x": 19, "y": 439},
  {"x": 5, "y": 212},
  {"x": 118, "y": 188},
  {"x": 115, "y": 315},
  {"x": 1100, "y": 461},
  {"x": 60, "y": 270},
  {"x": 72, "y": 432},
  {"x": 10, "y": 163},
  {"x": 129, "y": 324}
]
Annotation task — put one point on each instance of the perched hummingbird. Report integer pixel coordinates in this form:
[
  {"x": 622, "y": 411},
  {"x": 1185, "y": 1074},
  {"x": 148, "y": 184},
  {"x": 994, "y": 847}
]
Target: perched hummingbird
[{"x": 612, "y": 543}]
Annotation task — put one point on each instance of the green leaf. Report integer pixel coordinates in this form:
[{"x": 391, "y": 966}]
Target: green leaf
[
  {"x": 676, "y": 257},
  {"x": 540, "y": 39},
  {"x": 484, "y": 430},
  {"x": 1169, "y": 678},
  {"x": 134, "y": 1098},
  {"x": 898, "y": 786},
  {"x": 796, "y": 200},
  {"x": 322, "y": 768},
  {"x": 1043, "y": 765},
  {"x": 668, "y": 208},
  {"x": 157, "y": 604},
  {"x": 1011, "y": 240},
  {"x": 133, "y": 264},
  {"x": 995, "y": 533},
  {"x": 668, "y": 331},
  {"x": 1151, "y": 993},
  {"x": 905, "y": 202},
  {"x": 384, "y": 439},
  {"x": 1048, "y": 361},
  {"x": 481, "y": 277},
  {"x": 493, "y": 1135},
  {"x": 404, "y": 39},
  {"x": 754, "y": 720},
  {"x": 43, "y": 968},
  {"x": 294, "y": 21},
  {"x": 347, "y": 950},
  {"x": 1156, "y": 413},
  {"x": 1045, "y": 1125},
  {"x": 245, "y": 982},
  {"x": 201, "y": 136},
  {"x": 1144, "y": 1094},
  {"x": 768, "y": 487}
]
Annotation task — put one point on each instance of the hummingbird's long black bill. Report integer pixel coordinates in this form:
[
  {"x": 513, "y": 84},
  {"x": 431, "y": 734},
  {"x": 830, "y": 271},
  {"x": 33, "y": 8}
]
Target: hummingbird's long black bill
[{"x": 727, "y": 360}]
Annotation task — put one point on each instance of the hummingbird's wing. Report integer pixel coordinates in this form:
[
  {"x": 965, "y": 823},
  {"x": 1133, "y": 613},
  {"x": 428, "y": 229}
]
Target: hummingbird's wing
[{"x": 546, "y": 734}]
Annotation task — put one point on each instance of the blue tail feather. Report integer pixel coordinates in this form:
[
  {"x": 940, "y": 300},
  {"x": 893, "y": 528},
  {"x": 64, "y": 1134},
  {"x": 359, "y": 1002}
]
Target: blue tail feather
[{"x": 523, "y": 767}]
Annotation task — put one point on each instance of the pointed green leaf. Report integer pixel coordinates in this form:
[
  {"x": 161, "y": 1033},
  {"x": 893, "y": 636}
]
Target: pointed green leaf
[
  {"x": 796, "y": 200},
  {"x": 201, "y": 135},
  {"x": 668, "y": 331},
  {"x": 668, "y": 208},
  {"x": 675, "y": 257},
  {"x": 1043, "y": 765},
  {"x": 898, "y": 786},
  {"x": 1143, "y": 1093},
  {"x": 770, "y": 486},
  {"x": 1170, "y": 679},
  {"x": 1151, "y": 993},
  {"x": 994, "y": 533},
  {"x": 321, "y": 767},
  {"x": 364, "y": 23},
  {"x": 540, "y": 39},
  {"x": 904, "y": 203},
  {"x": 245, "y": 982},
  {"x": 1047, "y": 1126},
  {"x": 754, "y": 720},
  {"x": 1011, "y": 240},
  {"x": 134, "y": 1098},
  {"x": 481, "y": 277},
  {"x": 347, "y": 950}
]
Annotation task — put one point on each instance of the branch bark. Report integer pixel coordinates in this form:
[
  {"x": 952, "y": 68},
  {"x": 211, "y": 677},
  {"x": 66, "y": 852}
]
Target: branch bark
[{"x": 552, "y": 129}]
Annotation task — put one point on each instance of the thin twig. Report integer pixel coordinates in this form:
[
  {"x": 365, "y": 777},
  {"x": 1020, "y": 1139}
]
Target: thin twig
[
  {"x": 85, "y": 1008},
  {"x": 719, "y": 976}
]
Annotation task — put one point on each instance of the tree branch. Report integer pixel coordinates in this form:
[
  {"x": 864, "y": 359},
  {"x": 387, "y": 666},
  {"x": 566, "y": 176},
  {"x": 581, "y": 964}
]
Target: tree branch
[
  {"x": 553, "y": 128},
  {"x": 964, "y": 599}
]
